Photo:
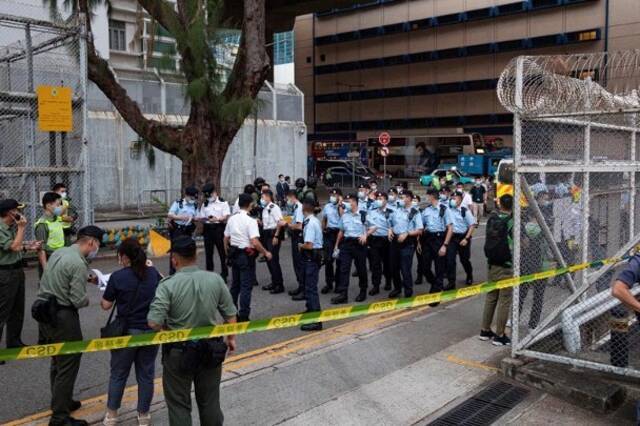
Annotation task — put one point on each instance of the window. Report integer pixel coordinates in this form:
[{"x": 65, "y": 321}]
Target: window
[
  {"x": 308, "y": 59},
  {"x": 117, "y": 34},
  {"x": 587, "y": 36},
  {"x": 322, "y": 57}
]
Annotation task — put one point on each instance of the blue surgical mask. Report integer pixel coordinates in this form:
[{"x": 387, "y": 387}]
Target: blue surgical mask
[
  {"x": 346, "y": 205},
  {"x": 378, "y": 204},
  {"x": 333, "y": 199},
  {"x": 443, "y": 197},
  {"x": 362, "y": 195},
  {"x": 290, "y": 203},
  {"x": 400, "y": 203},
  {"x": 453, "y": 204},
  {"x": 57, "y": 211},
  {"x": 392, "y": 198},
  {"x": 263, "y": 203}
]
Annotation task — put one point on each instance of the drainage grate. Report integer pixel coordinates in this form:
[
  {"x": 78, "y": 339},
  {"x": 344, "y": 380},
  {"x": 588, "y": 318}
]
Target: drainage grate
[{"x": 484, "y": 407}]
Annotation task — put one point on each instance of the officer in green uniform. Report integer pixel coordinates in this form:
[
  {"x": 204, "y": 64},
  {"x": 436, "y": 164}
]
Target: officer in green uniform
[
  {"x": 190, "y": 298},
  {"x": 50, "y": 228},
  {"x": 12, "y": 244},
  {"x": 65, "y": 278}
]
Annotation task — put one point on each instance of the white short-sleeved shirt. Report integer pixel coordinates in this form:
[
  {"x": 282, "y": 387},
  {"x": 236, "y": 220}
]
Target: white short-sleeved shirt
[
  {"x": 241, "y": 229},
  {"x": 271, "y": 215},
  {"x": 467, "y": 201},
  {"x": 218, "y": 209}
]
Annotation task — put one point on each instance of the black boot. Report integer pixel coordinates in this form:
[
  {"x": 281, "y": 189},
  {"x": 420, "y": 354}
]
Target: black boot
[
  {"x": 375, "y": 290},
  {"x": 395, "y": 293},
  {"x": 277, "y": 289},
  {"x": 387, "y": 286},
  {"x": 295, "y": 292},
  {"x": 314, "y": 326},
  {"x": 299, "y": 297},
  {"x": 340, "y": 298},
  {"x": 267, "y": 287},
  {"x": 469, "y": 280},
  {"x": 362, "y": 296},
  {"x": 326, "y": 289}
]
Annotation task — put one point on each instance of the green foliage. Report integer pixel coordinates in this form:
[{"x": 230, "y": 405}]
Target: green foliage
[
  {"x": 142, "y": 145},
  {"x": 58, "y": 8}
]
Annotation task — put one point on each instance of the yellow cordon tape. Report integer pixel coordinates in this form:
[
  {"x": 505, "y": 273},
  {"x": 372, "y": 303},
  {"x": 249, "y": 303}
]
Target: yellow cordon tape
[{"x": 287, "y": 321}]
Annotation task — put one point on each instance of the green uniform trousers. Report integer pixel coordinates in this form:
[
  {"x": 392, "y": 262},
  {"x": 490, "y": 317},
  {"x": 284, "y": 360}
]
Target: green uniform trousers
[
  {"x": 12, "y": 304},
  {"x": 64, "y": 369},
  {"x": 500, "y": 298},
  {"x": 177, "y": 391}
]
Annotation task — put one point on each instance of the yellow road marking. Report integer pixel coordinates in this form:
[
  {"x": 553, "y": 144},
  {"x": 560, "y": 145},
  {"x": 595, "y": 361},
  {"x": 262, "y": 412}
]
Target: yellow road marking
[
  {"x": 277, "y": 350},
  {"x": 468, "y": 363}
]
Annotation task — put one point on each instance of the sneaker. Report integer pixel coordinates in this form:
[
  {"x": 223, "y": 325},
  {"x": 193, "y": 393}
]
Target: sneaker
[
  {"x": 109, "y": 420},
  {"x": 486, "y": 335},
  {"x": 144, "y": 419},
  {"x": 501, "y": 341}
]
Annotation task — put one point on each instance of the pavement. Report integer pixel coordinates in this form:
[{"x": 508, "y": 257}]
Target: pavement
[{"x": 397, "y": 368}]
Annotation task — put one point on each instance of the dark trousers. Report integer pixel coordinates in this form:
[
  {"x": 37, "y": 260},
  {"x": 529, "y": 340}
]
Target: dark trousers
[
  {"x": 214, "y": 240},
  {"x": 310, "y": 273},
  {"x": 431, "y": 243},
  {"x": 352, "y": 251},
  {"x": 12, "y": 304},
  {"x": 296, "y": 238},
  {"x": 379, "y": 260},
  {"x": 401, "y": 264},
  {"x": 464, "y": 252},
  {"x": 244, "y": 275},
  {"x": 177, "y": 391},
  {"x": 331, "y": 275},
  {"x": 144, "y": 360},
  {"x": 421, "y": 271},
  {"x": 538, "y": 288},
  {"x": 64, "y": 368},
  {"x": 274, "y": 264},
  {"x": 175, "y": 232}
]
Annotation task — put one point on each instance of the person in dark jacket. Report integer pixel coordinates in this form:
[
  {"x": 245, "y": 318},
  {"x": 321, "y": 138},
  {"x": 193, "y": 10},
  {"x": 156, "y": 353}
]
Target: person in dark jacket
[{"x": 132, "y": 290}]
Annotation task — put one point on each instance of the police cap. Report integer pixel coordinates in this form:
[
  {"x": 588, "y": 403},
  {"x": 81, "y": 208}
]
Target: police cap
[
  {"x": 335, "y": 191},
  {"x": 351, "y": 197},
  {"x": 9, "y": 204},
  {"x": 183, "y": 245},
  {"x": 363, "y": 186},
  {"x": 191, "y": 191},
  {"x": 209, "y": 188},
  {"x": 433, "y": 192}
]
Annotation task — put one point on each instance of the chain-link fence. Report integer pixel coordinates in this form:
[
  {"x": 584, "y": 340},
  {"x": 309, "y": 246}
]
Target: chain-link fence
[
  {"x": 576, "y": 175},
  {"x": 35, "y": 54}
]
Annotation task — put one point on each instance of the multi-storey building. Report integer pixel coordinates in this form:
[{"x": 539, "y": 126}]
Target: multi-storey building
[{"x": 430, "y": 67}]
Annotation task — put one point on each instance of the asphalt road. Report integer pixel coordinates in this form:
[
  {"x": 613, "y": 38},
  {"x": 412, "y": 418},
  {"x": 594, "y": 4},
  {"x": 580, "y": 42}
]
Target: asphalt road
[{"x": 25, "y": 384}]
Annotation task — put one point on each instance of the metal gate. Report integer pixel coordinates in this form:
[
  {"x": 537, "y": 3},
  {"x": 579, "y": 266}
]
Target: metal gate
[
  {"x": 38, "y": 53},
  {"x": 576, "y": 176}
]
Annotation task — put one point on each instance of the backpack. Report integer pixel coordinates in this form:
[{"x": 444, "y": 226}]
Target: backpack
[{"x": 496, "y": 245}]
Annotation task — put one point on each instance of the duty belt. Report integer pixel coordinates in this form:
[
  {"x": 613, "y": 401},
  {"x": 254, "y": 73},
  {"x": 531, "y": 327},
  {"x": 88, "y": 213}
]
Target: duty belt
[
  {"x": 13, "y": 266},
  {"x": 434, "y": 234}
]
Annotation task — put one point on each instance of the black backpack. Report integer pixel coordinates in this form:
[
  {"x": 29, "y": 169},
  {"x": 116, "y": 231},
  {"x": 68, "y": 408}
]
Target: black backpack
[{"x": 496, "y": 244}]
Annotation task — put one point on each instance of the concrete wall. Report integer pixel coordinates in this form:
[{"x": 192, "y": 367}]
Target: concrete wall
[{"x": 119, "y": 180}]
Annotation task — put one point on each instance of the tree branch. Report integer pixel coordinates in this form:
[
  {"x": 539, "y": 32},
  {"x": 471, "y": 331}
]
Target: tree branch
[{"x": 252, "y": 62}]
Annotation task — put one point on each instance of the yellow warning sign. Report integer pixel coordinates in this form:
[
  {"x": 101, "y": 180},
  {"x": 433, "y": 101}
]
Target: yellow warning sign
[{"x": 55, "y": 113}]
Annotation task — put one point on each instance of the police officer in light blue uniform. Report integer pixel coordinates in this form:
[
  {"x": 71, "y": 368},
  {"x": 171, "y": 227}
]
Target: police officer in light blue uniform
[
  {"x": 406, "y": 227},
  {"x": 181, "y": 216},
  {"x": 378, "y": 231},
  {"x": 352, "y": 240},
  {"x": 363, "y": 198},
  {"x": 433, "y": 248},
  {"x": 311, "y": 249},
  {"x": 460, "y": 227},
  {"x": 297, "y": 217},
  {"x": 331, "y": 226}
]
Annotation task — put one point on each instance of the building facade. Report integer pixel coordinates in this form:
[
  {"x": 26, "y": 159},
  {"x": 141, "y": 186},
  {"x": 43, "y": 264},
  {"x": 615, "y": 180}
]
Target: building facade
[{"x": 430, "y": 67}]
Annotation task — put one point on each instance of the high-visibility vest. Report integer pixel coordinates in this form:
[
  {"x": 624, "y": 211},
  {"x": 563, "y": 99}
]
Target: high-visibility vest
[
  {"x": 55, "y": 229},
  {"x": 65, "y": 209}
]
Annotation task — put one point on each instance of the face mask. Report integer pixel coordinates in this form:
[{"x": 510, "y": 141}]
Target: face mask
[
  {"x": 414, "y": 204},
  {"x": 189, "y": 200},
  {"x": 399, "y": 188},
  {"x": 282, "y": 180},
  {"x": 374, "y": 187},
  {"x": 93, "y": 253},
  {"x": 453, "y": 204},
  {"x": 333, "y": 200},
  {"x": 443, "y": 197},
  {"x": 263, "y": 203},
  {"x": 400, "y": 203},
  {"x": 346, "y": 205},
  {"x": 63, "y": 195},
  {"x": 57, "y": 211},
  {"x": 392, "y": 198},
  {"x": 545, "y": 203},
  {"x": 290, "y": 203},
  {"x": 362, "y": 195},
  {"x": 379, "y": 204},
  {"x": 477, "y": 183},
  {"x": 213, "y": 198}
]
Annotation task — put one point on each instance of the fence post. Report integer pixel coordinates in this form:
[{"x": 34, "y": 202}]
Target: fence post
[
  {"x": 30, "y": 158},
  {"x": 87, "y": 204}
]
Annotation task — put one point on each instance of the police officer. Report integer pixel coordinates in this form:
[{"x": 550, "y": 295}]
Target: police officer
[
  {"x": 351, "y": 246},
  {"x": 300, "y": 185},
  {"x": 378, "y": 231},
  {"x": 363, "y": 198},
  {"x": 213, "y": 214},
  {"x": 69, "y": 215},
  {"x": 191, "y": 298},
  {"x": 272, "y": 229},
  {"x": 50, "y": 228},
  {"x": 242, "y": 241},
  {"x": 392, "y": 198},
  {"x": 309, "y": 193},
  {"x": 331, "y": 226},
  {"x": 63, "y": 285},
  {"x": 295, "y": 228},
  {"x": 460, "y": 227},
  {"x": 420, "y": 270},
  {"x": 406, "y": 227},
  {"x": 311, "y": 249},
  {"x": 12, "y": 244},
  {"x": 181, "y": 216},
  {"x": 433, "y": 248}
]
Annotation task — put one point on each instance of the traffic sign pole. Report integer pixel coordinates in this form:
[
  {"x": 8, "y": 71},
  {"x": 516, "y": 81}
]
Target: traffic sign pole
[{"x": 384, "y": 173}]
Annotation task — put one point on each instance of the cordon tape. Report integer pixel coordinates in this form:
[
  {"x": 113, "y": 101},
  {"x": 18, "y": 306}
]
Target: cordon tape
[{"x": 287, "y": 321}]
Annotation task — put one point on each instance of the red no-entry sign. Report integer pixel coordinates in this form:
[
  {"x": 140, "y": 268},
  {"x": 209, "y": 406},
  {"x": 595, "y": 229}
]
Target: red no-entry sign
[{"x": 384, "y": 138}]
